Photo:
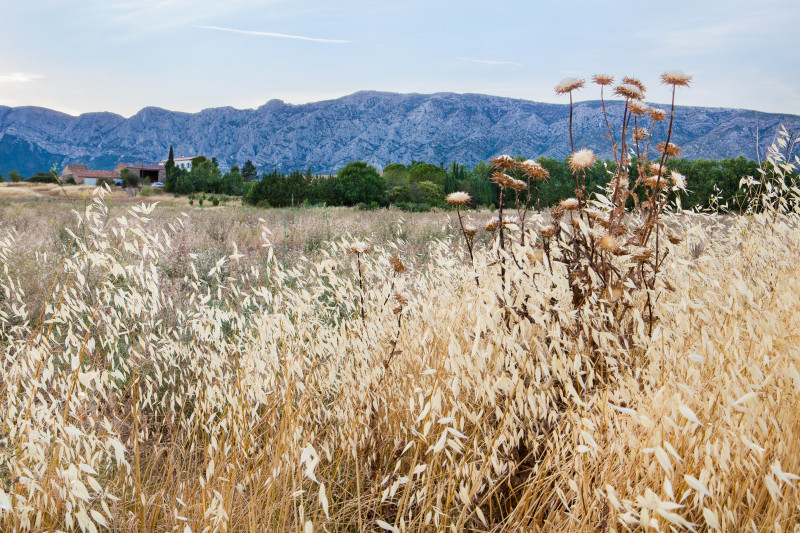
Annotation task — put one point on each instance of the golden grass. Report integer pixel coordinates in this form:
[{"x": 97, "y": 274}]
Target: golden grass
[{"x": 247, "y": 393}]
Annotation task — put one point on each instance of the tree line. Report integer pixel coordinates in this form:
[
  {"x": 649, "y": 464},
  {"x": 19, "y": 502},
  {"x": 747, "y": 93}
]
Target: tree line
[{"x": 420, "y": 185}]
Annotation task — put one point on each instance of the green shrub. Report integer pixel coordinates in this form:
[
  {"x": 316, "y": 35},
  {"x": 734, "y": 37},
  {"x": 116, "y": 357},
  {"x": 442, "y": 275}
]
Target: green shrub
[
  {"x": 146, "y": 191},
  {"x": 215, "y": 201}
]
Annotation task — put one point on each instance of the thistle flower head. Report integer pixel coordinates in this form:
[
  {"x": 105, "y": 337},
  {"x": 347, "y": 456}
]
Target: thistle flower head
[
  {"x": 581, "y": 160},
  {"x": 655, "y": 182},
  {"x": 678, "y": 180},
  {"x": 402, "y": 297},
  {"x": 458, "y": 198},
  {"x": 470, "y": 230},
  {"x": 359, "y": 247},
  {"x": 603, "y": 79},
  {"x": 505, "y": 162},
  {"x": 569, "y": 204},
  {"x": 639, "y": 134},
  {"x": 656, "y": 169},
  {"x": 556, "y": 212},
  {"x": 397, "y": 265},
  {"x": 492, "y": 224},
  {"x": 510, "y": 220},
  {"x": 638, "y": 108},
  {"x": 517, "y": 185},
  {"x": 567, "y": 85},
  {"x": 608, "y": 243},
  {"x": 502, "y": 179},
  {"x": 657, "y": 114},
  {"x": 534, "y": 170},
  {"x": 670, "y": 149},
  {"x": 629, "y": 91},
  {"x": 548, "y": 231},
  {"x": 676, "y": 78},
  {"x": 635, "y": 82}
]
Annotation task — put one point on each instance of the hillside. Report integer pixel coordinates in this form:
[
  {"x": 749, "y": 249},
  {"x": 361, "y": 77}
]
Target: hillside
[{"x": 378, "y": 127}]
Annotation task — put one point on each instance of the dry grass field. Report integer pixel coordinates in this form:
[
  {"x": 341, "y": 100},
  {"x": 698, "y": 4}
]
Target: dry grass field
[
  {"x": 207, "y": 370},
  {"x": 593, "y": 368}
]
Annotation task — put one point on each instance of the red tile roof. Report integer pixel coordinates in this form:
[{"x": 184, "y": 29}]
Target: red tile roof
[{"x": 95, "y": 174}]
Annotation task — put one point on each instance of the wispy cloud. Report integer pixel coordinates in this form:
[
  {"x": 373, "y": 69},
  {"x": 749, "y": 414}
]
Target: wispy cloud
[
  {"x": 489, "y": 61},
  {"x": 277, "y": 35},
  {"x": 18, "y": 77}
]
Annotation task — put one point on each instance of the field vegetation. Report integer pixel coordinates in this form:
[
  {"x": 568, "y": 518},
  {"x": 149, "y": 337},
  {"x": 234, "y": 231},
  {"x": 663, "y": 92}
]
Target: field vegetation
[{"x": 613, "y": 363}]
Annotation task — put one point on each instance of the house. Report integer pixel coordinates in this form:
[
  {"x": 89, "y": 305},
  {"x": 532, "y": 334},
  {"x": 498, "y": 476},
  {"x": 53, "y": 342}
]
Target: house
[
  {"x": 146, "y": 173},
  {"x": 181, "y": 162},
  {"x": 85, "y": 176}
]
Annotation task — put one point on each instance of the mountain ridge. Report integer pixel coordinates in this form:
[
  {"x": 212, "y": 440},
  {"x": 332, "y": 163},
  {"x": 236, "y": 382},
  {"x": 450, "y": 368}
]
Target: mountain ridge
[{"x": 376, "y": 126}]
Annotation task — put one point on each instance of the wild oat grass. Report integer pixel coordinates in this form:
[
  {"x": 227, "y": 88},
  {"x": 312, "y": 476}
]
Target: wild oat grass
[{"x": 364, "y": 385}]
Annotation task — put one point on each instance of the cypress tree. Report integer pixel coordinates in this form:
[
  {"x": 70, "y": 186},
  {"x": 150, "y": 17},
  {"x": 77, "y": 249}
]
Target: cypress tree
[{"x": 169, "y": 185}]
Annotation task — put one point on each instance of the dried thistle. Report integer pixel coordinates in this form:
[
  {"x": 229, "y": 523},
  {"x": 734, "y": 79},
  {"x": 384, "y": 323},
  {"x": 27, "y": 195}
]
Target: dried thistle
[
  {"x": 676, "y": 78},
  {"x": 359, "y": 247},
  {"x": 567, "y": 85},
  {"x": 569, "y": 204},
  {"x": 669, "y": 150},
  {"x": 627, "y": 90},
  {"x": 581, "y": 160},
  {"x": 397, "y": 265},
  {"x": 638, "y": 108},
  {"x": 657, "y": 115},
  {"x": 534, "y": 170},
  {"x": 501, "y": 179},
  {"x": 504, "y": 162},
  {"x": 603, "y": 79},
  {"x": 458, "y": 198},
  {"x": 635, "y": 82}
]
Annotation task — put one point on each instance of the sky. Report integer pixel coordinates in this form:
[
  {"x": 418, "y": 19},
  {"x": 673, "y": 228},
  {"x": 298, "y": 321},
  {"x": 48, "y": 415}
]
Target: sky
[{"x": 81, "y": 56}]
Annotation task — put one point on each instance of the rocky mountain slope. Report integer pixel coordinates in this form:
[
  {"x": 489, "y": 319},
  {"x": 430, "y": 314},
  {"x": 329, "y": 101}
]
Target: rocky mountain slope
[{"x": 377, "y": 127}]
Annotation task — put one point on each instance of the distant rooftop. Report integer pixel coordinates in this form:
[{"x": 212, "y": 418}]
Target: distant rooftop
[
  {"x": 81, "y": 173},
  {"x": 142, "y": 166}
]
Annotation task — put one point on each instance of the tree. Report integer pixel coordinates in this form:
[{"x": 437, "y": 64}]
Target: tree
[
  {"x": 249, "y": 172},
  {"x": 358, "y": 183},
  {"x": 15, "y": 176},
  {"x": 130, "y": 180},
  {"x": 427, "y": 172},
  {"x": 169, "y": 184}
]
